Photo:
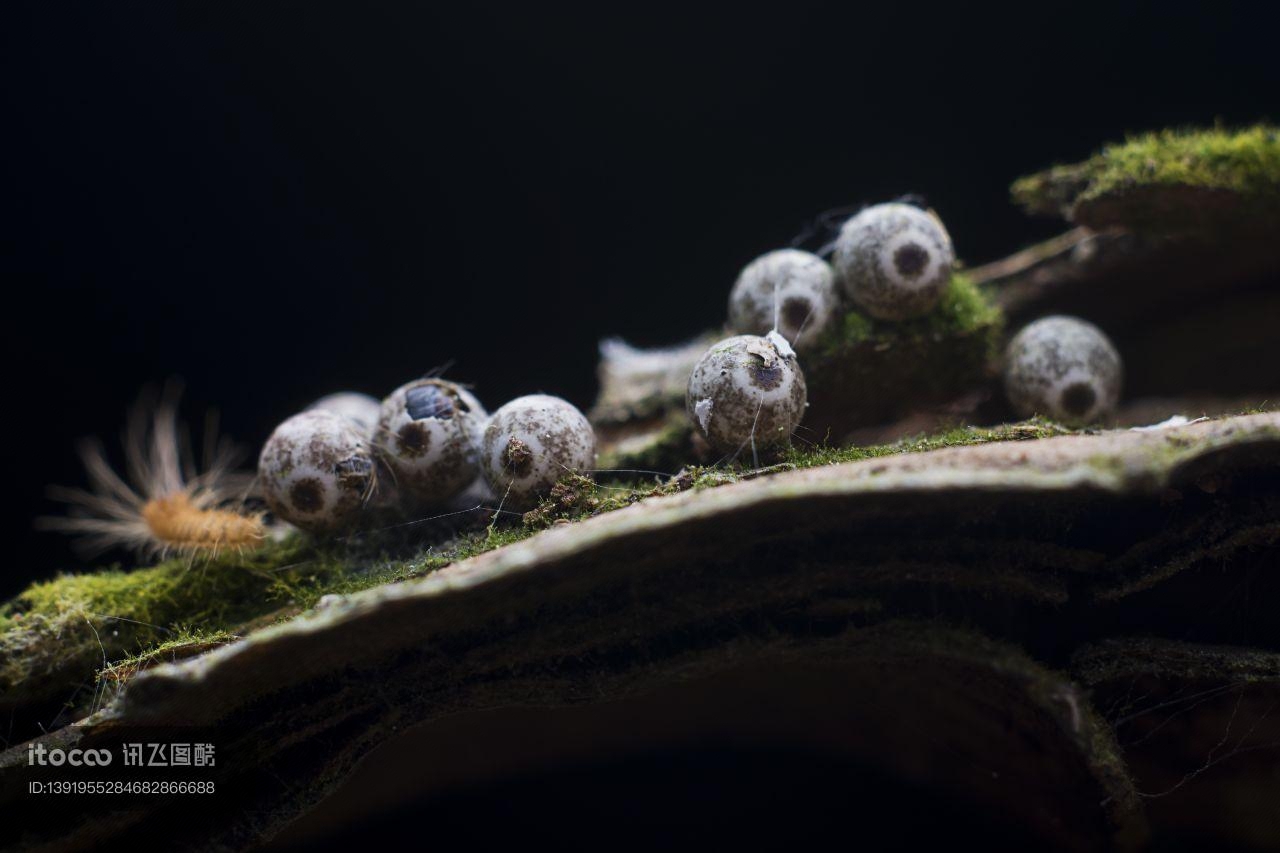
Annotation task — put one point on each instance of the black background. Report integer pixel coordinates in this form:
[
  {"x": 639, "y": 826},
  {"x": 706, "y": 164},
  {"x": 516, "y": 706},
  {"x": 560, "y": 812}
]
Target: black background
[{"x": 274, "y": 201}]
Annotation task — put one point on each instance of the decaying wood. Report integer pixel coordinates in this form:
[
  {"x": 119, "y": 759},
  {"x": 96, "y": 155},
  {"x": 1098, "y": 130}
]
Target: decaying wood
[{"x": 987, "y": 568}]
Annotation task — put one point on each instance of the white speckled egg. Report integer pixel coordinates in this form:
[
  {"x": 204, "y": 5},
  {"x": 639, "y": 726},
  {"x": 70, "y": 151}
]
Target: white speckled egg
[
  {"x": 361, "y": 408},
  {"x": 429, "y": 433},
  {"x": 795, "y": 287},
  {"x": 1065, "y": 368},
  {"x": 894, "y": 260},
  {"x": 746, "y": 388},
  {"x": 316, "y": 470},
  {"x": 532, "y": 442}
]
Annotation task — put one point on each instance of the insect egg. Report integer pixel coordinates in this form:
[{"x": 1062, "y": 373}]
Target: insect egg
[
  {"x": 746, "y": 390},
  {"x": 1065, "y": 368},
  {"x": 789, "y": 289},
  {"x": 532, "y": 442},
  {"x": 316, "y": 471},
  {"x": 429, "y": 433},
  {"x": 894, "y": 260},
  {"x": 361, "y": 408}
]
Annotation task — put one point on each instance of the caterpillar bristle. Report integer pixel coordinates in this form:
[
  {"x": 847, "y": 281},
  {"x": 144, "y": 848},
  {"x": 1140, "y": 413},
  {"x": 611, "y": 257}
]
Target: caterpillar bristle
[
  {"x": 168, "y": 505},
  {"x": 177, "y": 521}
]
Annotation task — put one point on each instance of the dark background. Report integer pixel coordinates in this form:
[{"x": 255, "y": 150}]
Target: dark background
[{"x": 275, "y": 201}]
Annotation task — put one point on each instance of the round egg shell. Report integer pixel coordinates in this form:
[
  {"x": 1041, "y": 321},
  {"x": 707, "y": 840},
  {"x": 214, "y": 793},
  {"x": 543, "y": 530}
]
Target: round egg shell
[
  {"x": 746, "y": 388},
  {"x": 1065, "y": 368},
  {"x": 361, "y": 408},
  {"x": 796, "y": 287},
  {"x": 894, "y": 260},
  {"x": 316, "y": 470},
  {"x": 428, "y": 433},
  {"x": 533, "y": 441}
]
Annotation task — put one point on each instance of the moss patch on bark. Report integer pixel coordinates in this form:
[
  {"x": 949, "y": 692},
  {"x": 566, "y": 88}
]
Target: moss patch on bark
[{"x": 1168, "y": 181}]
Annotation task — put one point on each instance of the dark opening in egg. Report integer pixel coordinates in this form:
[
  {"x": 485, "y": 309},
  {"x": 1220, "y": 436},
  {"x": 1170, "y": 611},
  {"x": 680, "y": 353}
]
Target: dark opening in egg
[
  {"x": 910, "y": 260},
  {"x": 1078, "y": 399}
]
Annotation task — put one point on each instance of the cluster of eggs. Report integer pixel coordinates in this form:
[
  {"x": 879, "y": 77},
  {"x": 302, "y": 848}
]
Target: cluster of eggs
[
  {"x": 893, "y": 262},
  {"x": 431, "y": 439},
  {"x": 428, "y": 442}
]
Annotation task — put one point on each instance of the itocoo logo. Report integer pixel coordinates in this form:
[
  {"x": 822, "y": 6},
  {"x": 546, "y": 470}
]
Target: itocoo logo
[{"x": 42, "y": 755}]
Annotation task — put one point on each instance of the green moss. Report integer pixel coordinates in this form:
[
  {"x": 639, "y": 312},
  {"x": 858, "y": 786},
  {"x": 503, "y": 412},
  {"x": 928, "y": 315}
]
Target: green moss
[
  {"x": 184, "y": 643},
  {"x": 868, "y": 371},
  {"x": 963, "y": 310},
  {"x": 57, "y": 634},
  {"x": 1166, "y": 180},
  {"x": 392, "y": 569},
  {"x": 223, "y": 591},
  {"x": 58, "y": 625},
  {"x": 1244, "y": 162},
  {"x": 576, "y": 497},
  {"x": 665, "y": 448},
  {"x": 812, "y": 457},
  {"x": 853, "y": 329}
]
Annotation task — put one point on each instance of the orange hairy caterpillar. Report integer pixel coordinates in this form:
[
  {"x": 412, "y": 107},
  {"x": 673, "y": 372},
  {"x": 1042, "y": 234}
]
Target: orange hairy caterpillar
[{"x": 167, "y": 506}]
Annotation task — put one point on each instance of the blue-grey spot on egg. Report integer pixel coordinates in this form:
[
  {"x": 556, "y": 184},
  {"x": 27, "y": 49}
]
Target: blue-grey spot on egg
[
  {"x": 354, "y": 472},
  {"x": 428, "y": 401},
  {"x": 746, "y": 392},
  {"x": 767, "y": 375}
]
